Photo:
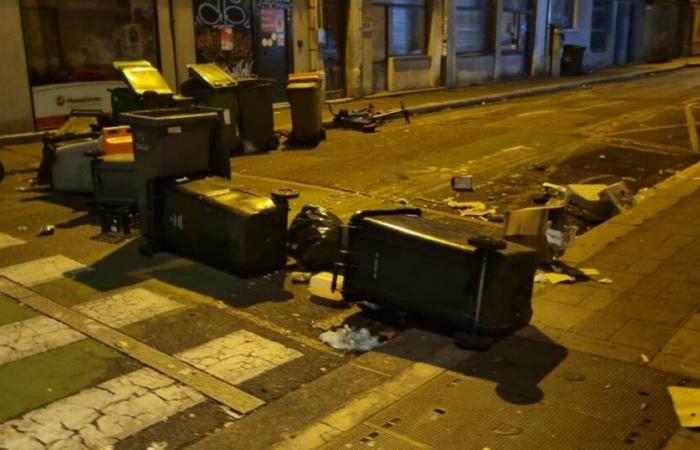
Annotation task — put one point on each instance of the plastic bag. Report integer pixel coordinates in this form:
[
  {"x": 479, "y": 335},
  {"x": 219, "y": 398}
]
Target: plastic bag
[{"x": 314, "y": 237}]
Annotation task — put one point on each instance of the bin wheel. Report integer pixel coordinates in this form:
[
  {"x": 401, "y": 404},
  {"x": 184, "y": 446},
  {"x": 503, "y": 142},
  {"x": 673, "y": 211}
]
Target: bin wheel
[
  {"x": 285, "y": 194},
  {"x": 2, "y": 172},
  {"x": 146, "y": 250},
  {"x": 272, "y": 143}
]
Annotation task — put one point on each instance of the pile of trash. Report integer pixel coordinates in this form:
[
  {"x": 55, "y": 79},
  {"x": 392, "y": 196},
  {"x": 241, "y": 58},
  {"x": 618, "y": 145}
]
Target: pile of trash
[{"x": 346, "y": 338}]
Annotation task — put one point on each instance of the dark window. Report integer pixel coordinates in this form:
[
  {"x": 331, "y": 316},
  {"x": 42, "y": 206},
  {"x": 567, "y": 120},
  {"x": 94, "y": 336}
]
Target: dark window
[
  {"x": 472, "y": 25},
  {"x": 77, "y": 41},
  {"x": 563, "y": 13},
  {"x": 514, "y": 25},
  {"x": 599, "y": 25},
  {"x": 406, "y": 26}
]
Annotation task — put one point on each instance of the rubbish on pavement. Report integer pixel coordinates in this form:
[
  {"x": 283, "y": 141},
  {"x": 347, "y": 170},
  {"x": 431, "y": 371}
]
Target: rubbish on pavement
[
  {"x": 587, "y": 197},
  {"x": 348, "y": 339},
  {"x": 556, "y": 194},
  {"x": 590, "y": 271},
  {"x": 22, "y": 229},
  {"x": 462, "y": 183},
  {"x": 529, "y": 226},
  {"x": 604, "y": 281},
  {"x": 314, "y": 237},
  {"x": 470, "y": 208},
  {"x": 553, "y": 278},
  {"x": 686, "y": 403},
  {"x": 159, "y": 445},
  {"x": 321, "y": 285},
  {"x": 560, "y": 240},
  {"x": 644, "y": 358},
  {"x": 46, "y": 230},
  {"x": 300, "y": 277},
  {"x": 382, "y": 246},
  {"x": 619, "y": 195}
]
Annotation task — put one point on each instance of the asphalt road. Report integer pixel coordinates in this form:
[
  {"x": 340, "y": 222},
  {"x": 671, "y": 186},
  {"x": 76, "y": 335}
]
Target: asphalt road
[{"x": 639, "y": 131}]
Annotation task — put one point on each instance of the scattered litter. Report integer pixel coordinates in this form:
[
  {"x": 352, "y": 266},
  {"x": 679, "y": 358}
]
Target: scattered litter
[
  {"x": 553, "y": 278},
  {"x": 229, "y": 412},
  {"x": 22, "y": 189},
  {"x": 46, "y": 230},
  {"x": 686, "y": 402},
  {"x": 589, "y": 272},
  {"x": 604, "y": 281},
  {"x": 370, "y": 305},
  {"x": 315, "y": 237},
  {"x": 560, "y": 240},
  {"x": 643, "y": 406},
  {"x": 22, "y": 229},
  {"x": 608, "y": 386},
  {"x": 121, "y": 344},
  {"x": 601, "y": 156},
  {"x": 348, "y": 339},
  {"x": 323, "y": 369},
  {"x": 160, "y": 445},
  {"x": 529, "y": 226},
  {"x": 462, "y": 183},
  {"x": 619, "y": 195},
  {"x": 644, "y": 358},
  {"x": 470, "y": 208},
  {"x": 321, "y": 285},
  {"x": 301, "y": 277}
]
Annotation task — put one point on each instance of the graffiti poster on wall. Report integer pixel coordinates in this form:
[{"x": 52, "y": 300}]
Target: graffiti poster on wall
[{"x": 223, "y": 34}]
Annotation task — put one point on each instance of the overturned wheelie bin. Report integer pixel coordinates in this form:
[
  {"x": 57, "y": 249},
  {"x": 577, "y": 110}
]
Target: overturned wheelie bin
[
  {"x": 187, "y": 202},
  {"x": 473, "y": 284}
]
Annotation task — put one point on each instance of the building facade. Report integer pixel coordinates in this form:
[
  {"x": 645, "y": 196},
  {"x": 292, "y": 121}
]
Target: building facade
[{"x": 58, "y": 53}]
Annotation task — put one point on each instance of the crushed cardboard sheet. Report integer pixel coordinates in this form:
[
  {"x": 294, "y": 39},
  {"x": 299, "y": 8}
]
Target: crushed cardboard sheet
[{"x": 686, "y": 402}]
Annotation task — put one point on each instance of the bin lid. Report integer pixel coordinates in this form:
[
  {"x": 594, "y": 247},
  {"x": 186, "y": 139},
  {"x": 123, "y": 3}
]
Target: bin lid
[
  {"x": 212, "y": 75},
  {"x": 121, "y": 65},
  {"x": 144, "y": 79}
]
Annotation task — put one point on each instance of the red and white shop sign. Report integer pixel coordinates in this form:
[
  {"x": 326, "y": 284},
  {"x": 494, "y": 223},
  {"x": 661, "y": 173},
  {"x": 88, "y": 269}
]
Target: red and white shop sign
[{"x": 53, "y": 102}]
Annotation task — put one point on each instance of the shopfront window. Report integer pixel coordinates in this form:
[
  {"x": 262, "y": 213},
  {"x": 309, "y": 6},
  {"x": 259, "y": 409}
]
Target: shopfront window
[
  {"x": 563, "y": 13},
  {"x": 514, "y": 25},
  {"x": 599, "y": 25},
  {"x": 406, "y": 26},
  {"x": 77, "y": 40},
  {"x": 472, "y": 26}
]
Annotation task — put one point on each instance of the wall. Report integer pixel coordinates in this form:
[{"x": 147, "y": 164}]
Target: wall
[
  {"x": 408, "y": 72},
  {"x": 16, "y": 111},
  {"x": 472, "y": 69}
]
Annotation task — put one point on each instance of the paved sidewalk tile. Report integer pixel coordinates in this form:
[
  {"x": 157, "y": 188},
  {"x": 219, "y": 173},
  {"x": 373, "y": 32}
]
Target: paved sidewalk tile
[
  {"x": 39, "y": 334},
  {"x": 123, "y": 406},
  {"x": 9, "y": 241},
  {"x": 648, "y": 336},
  {"x": 42, "y": 270},
  {"x": 601, "y": 325}
]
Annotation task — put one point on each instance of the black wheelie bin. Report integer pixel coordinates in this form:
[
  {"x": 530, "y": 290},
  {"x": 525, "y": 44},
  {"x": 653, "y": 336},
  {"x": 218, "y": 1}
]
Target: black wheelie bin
[
  {"x": 398, "y": 259},
  {"x": 210, "y": 85},
  {"x": 256, "y": 123},
  {"x": 189, "y": 205}
]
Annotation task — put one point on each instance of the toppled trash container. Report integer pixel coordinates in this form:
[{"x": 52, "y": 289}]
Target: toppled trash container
[
  {"x": 305, "y": 95},
  {"x": 399, "y": 259},
  {"x": 256, "y": 124},
  {"x": 600, "y": 201},
  {"x": 187, "y": 203},
  {"x": 315, "y": 237},
  {"x": 210, "y": 85}
]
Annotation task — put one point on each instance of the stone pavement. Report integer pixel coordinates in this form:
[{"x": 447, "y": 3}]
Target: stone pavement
[
  {"x": 591, "y": 371},
  {"x": 437, "y": 99}
]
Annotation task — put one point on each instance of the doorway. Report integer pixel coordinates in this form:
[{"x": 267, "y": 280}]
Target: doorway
[
  {"x": 335, "y": 13},
  {"x": 379, "y": 52},
  {"x": 271, "y": 32}
]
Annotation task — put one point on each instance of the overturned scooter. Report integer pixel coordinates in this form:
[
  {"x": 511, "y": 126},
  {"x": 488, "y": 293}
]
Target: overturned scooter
[{"x": 367, "y": 119}]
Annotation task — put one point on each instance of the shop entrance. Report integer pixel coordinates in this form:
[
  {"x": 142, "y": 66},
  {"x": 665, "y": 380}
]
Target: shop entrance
[{"x": 335, "y": 13}]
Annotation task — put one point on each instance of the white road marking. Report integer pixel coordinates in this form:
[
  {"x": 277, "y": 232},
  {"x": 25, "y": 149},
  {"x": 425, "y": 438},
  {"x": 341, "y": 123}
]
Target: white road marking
[
  {"x": 40, "y": 334},
  {"x": 43, "y": 270},
  {"x": 9, "y": 241},
  {"x": 100, "y": 416}
]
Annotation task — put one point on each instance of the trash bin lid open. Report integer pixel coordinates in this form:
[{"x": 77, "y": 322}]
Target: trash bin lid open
[
  {"x": 302, "y": 85},
  {"x": 212, "y": 75},
  {"x": 121, "y": 65},
  {"x": 146, "y": 79}
]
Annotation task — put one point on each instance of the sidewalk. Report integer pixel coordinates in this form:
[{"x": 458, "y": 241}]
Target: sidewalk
[
  {"x": 438, "y": 99},
  {"x": 591, "y": 371}
]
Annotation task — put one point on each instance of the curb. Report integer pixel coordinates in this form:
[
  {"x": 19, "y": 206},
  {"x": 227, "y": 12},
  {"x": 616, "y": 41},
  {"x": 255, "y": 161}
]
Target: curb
[
  {"x": 21, "y": 138},
  {"x": 660, "y": 197}
]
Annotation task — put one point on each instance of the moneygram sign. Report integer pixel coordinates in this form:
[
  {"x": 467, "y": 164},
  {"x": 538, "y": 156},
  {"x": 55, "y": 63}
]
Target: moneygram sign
[{"x": 53, "y": 102}]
